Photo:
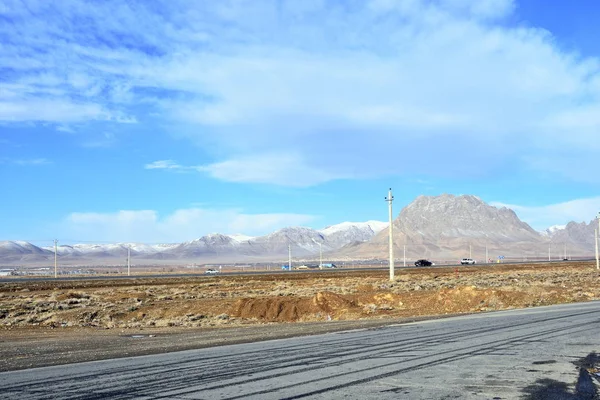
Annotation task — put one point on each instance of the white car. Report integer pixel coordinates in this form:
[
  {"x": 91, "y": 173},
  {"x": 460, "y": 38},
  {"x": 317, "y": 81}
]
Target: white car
[
  {"x": 467, "y": 261},
  {"x": 211, "y": 271}
]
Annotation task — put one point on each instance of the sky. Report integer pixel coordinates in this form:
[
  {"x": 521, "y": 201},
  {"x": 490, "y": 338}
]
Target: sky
[{"x": 162, "y": 121}]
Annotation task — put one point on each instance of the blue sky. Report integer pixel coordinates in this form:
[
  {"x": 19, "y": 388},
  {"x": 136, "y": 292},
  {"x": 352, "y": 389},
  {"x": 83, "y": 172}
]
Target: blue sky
[{"x": 164, "y": 121}]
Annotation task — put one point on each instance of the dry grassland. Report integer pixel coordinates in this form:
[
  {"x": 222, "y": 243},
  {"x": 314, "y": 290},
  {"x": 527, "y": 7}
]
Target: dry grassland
[{"x": 237, "y": 300}]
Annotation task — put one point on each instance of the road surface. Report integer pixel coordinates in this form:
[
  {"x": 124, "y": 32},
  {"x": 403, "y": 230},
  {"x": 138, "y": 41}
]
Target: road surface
[
  {"x": 275, "y": 270},
  {"x": 531, "y": 354}
]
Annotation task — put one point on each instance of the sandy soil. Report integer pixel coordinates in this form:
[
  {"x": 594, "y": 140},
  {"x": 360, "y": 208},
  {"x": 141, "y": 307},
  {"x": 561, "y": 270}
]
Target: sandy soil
[{"x": 36, "y": 317}]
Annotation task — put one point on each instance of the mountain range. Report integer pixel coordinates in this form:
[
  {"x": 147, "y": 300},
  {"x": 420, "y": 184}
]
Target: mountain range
[
  {"x": 448, "y": 227},
  {"x": 442, "y": 227},
  {"x": 210, "y": 248}
]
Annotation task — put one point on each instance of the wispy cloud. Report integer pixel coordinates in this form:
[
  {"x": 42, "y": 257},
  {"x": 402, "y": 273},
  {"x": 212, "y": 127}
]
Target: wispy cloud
[
  {"x": 283, "y": 169},
  {"x": 279, "y": 169},
  {"x": 65, "y": 128},
  {"x": 26, "y": 161},
  {"x": 181, "y": 225},
  {"x": 542, "y": 217},
  {"x": 169, "y": 165},
  {"x": 34, "y": 161},
  {"x": 351, "y": 90}
]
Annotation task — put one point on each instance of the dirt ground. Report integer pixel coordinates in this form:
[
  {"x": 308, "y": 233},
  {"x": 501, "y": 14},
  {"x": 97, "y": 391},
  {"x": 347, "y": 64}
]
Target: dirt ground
[{"x": 36, "y": 312}]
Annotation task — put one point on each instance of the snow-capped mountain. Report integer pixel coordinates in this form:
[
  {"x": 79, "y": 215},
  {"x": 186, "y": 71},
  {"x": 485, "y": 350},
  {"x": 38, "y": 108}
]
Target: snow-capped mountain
[
  {"x": 20, "y": 247},
  {"x": 430, "y": 226},
  {"x": 18, "y": 250},
  {"x": 108, "y": 250},
  {"x": 213, "y": 244},
  {"x": 549, "y": 232},
  {"x": 351, "y": 232},
  {"x": 369, "y": 226},
  {"x": 303, "y": 241},
  {"x": 238, "y": 237},
  {"x": 576, "y": 233}
]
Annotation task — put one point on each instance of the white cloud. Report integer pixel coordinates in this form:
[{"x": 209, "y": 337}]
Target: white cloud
[
  {"x": 482, "y": 9},
  {"x": 279, "y": 169},
  {"x": 32, "y": 161},
  {"x": 350, "y": 89},
  {"x": 162, "y": 164},
  {"x": 30, "y": 109},
  {"x": 181, "y": 225},
  {"x": 542, "y": 217},
  {"x": 169, "y": 165},
  {"x": 445, "y": 82},
  {"x": 25, "y": 161},
  {"x": 284, "y": 169},
  {"x": 65, "y": 128}
]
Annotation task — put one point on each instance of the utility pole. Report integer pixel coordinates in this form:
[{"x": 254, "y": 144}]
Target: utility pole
[
  {"x": 320, "y": 255},
  {"x": 290, "y": 257},
  {"x": 390, "y": 199},
  {"x": 128, "y": 260},
  {"x": 55, "y": 258},
  {"x": 596, "y": 241},
  {"x": 470, "y": 252},
  {"x": 487, "y": 258},
  {"x": 565, "y": 257},
  {"x": 404, "y": 258},
  {"x": 549, "y": 246}
]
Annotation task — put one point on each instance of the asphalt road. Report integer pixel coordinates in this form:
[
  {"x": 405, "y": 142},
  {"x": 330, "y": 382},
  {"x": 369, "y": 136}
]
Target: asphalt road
[
  {"x": 532, "y": 354},
  {"x": 274, "y": 270}
]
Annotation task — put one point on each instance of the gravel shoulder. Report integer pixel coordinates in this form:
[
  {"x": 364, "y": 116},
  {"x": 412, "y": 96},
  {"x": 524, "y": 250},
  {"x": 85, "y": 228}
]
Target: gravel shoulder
[{"x": 27, "y": 348}]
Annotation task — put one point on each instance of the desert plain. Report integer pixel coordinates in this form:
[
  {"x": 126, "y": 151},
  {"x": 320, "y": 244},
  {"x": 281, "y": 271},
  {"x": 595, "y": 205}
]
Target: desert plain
[{"x": 49, "y": 322}]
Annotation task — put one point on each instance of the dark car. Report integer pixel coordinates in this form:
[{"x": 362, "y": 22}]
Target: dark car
[{"x": 423, "y": 263}]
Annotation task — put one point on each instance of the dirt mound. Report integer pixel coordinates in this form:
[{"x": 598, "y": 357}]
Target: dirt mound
[
  {"x": 330, "y": 302},
  {"x": 323, "y": 305},
  {"x": 291, "y": 309}
]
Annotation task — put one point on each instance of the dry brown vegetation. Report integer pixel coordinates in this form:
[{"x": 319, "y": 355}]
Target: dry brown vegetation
[{"x": 235, "y": 300}]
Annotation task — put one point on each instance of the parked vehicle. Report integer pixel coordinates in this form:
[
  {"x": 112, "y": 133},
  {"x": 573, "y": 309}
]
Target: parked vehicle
[
  {"x": 467, "y": 261},
  {"x": 285, "y": 267},
  {"x": 211, "y": 271},
  {"x": 423, "y": 263}
]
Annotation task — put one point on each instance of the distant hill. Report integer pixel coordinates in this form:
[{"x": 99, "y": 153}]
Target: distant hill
[
  {"x": 445, "y": 227},
  {"x": 575, "y": 233},
  {"x": 453, "y": 227},
  {"x": 209, "y": 248}
]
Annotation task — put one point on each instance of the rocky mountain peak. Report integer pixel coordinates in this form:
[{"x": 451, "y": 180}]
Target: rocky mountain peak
[
  {"x": 351, "y": 232},
  {"x": 461, "y": 216},
  {"x": 297, "y": 234},
  {"x": 576, "y": 232},
  {"x": 211, "y": 239}
]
